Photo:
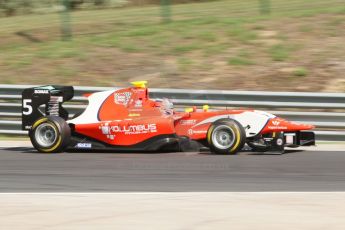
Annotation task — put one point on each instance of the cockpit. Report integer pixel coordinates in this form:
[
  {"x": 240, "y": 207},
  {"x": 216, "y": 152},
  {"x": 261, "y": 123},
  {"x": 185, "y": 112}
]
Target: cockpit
[{"x": 167, "y": 106}]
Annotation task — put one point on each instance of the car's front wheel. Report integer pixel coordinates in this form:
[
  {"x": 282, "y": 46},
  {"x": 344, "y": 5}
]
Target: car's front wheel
[
  {"x": 50, "y": 134},
  {"x": 226, "y": 136}
]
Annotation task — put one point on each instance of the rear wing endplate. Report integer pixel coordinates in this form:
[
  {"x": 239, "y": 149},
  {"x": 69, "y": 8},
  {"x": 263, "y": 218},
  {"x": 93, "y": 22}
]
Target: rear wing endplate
[{"x": 44, "y": 101}]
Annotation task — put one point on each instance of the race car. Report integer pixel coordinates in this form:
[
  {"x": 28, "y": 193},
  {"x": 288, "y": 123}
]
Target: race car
[{"x": 128, "y": 120}]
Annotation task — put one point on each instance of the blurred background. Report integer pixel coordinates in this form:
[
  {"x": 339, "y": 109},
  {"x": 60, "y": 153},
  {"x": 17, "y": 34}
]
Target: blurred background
[{"x": 273, "y": 45}]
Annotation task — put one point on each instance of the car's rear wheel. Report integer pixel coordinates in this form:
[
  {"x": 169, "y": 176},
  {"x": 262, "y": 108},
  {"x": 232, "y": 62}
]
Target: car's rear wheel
[
  {"x": 50, "y": 134},
  {"x": 226, "y": 136}
]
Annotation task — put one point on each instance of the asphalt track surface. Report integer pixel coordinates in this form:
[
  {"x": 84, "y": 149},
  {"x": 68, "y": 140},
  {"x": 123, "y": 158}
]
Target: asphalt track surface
[{"x": 24, "y": 170}]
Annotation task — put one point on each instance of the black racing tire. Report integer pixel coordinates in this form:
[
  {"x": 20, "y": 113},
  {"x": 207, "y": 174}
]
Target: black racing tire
[
  {"x": 50, "y": 134},
  {"x": 226, "y": 136}
]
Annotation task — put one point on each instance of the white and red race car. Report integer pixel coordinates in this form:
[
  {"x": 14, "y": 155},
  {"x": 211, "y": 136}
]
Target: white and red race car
[{"x": 128, "y": 120}]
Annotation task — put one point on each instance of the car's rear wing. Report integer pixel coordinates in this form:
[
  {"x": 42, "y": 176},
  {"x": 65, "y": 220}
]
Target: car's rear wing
[{"x": 43, "y": 101}]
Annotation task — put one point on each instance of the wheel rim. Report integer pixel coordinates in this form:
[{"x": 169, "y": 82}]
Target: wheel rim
[
  {"x": 223, "y": 137},
  {"x": 45, "y": 135}
]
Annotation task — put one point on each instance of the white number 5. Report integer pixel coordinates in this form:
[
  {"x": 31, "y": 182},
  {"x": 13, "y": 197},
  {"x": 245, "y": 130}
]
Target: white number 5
[{"x": 27, "y": 106}]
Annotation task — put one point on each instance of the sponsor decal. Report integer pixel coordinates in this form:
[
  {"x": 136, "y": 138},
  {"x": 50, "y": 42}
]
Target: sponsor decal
[
  {"x": 41, "y": 91},
  {"x": 187, "y": 122},
  {"x": 28, "y": 127},
  {"x": 135, "y": 110},
  {"x": 122, "y": 98},
  {"x": 276, "y": 123},
  {"x": 134, "y": 129},
  {"x": 138, "y": 103},
  {"x": 106, "y": 130},
  {"x": 134, "y": 115},
  {"x": 110, "y": 131},
  {"x": 84, "y": 146},
  {"x": 191, "y": 131},
  {"x": 277, "y": 127}
]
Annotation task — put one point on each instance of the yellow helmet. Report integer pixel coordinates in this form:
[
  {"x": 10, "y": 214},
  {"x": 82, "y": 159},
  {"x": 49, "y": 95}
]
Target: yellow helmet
[{"x": 139, "y": 84}]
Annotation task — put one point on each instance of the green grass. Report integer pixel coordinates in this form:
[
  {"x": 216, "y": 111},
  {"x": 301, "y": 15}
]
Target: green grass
[
  {"x": 184, "y": 63},
  {"x": 215, "y": 49},
  {"x": 145, "y": 31},
  {"x": 198, "y": 32},
  {"x": 59, "y": 50},
  {"x": 279, "y": 52},
  {"x": 129, "y": 47},
  {"x": 240, "y": 33},
  {"x": 186, "y": 48},
  {"x": 208, "y": 36},
  {"x": 300, "y": 72},
  {"x": 240, "y": 61},
  {"x": 22, "y": 62},
  {"x": 65, "y": 72},
  {"x": 243, "y": 58},
  {"x": 306, "y": 29}
]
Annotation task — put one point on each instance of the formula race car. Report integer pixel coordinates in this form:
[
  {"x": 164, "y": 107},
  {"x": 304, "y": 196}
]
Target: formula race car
[{"x": 128, "y": 120}]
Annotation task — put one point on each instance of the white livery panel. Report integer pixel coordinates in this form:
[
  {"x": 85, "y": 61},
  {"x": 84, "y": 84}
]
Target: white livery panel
[{"x": 90, "y": 115}]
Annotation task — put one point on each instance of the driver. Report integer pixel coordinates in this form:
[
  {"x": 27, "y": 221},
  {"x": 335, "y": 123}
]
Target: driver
[{"x": 167, "y": 106}]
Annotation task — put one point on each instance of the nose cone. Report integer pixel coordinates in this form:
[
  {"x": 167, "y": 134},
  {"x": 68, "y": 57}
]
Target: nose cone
[
  {"x": 278, "y": 124},
  {"x": 307, "y": 126}
]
